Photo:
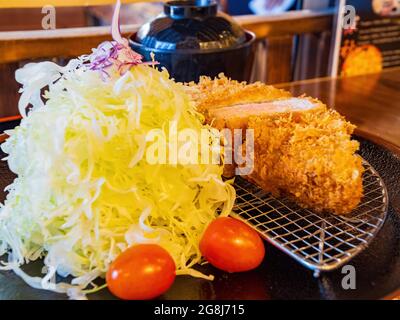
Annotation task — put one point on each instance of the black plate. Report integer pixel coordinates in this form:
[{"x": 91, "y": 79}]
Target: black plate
[{"x": 279, "y": 277}]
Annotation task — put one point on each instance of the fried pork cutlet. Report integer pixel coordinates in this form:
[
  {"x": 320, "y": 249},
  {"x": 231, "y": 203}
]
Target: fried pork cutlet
[
  {"x": 310, "y": 157},
  {"x": 302, "y": 149}
]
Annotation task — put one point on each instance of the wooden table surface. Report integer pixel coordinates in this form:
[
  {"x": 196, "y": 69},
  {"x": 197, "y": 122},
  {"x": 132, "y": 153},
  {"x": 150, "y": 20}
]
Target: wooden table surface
[{"x": 372, "y": 102}]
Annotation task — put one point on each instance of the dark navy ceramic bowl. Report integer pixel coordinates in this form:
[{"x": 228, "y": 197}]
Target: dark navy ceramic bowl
[{"x": 192, "y": 39}]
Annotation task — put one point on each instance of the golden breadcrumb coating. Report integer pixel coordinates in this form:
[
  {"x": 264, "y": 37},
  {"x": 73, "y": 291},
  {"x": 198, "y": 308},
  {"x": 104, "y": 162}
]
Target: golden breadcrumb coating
[
  {"x": 222, "y": 92},
  {"x": 307, "y": 155},
  {"x": 310, "y": 157}
]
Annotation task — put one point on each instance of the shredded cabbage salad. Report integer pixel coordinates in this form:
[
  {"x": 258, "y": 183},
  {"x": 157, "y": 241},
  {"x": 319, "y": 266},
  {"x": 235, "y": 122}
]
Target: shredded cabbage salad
[{"x": 84, "y": 192}]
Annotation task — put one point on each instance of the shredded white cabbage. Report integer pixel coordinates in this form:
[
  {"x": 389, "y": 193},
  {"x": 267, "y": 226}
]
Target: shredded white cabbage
[{"x": 84, "y": 192}]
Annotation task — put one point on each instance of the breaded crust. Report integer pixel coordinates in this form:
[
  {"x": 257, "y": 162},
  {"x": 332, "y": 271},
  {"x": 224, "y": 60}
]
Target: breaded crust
[{"x": 309, "y": 157}]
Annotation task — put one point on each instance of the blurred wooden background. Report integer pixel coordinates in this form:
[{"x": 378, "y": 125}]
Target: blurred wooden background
[{"x": 278, "y": 58}]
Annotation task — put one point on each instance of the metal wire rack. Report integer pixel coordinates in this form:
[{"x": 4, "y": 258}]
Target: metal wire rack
[{"x": 319, "y": 242}]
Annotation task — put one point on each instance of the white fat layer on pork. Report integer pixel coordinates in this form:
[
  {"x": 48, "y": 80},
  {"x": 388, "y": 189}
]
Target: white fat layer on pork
[{"x": 276, "y": 106}]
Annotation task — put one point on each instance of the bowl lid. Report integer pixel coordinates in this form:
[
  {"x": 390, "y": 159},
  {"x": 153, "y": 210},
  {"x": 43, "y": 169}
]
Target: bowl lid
[{"x": 191, "y": 24}]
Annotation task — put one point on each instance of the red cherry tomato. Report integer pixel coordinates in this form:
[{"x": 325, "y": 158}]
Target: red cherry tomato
[
  {"x": 141, "y": 272},
  {"x": 231, "y": 245}
]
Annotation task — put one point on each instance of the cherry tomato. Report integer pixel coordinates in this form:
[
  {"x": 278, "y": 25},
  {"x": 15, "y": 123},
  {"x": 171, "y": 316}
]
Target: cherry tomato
[
  {"x": 231, "y": 245},
  {"x": 141, "y": 272}
]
